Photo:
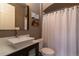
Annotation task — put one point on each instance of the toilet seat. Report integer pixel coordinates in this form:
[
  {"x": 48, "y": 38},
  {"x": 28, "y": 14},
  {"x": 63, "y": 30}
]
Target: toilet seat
[{"x": 47, "y": 52}]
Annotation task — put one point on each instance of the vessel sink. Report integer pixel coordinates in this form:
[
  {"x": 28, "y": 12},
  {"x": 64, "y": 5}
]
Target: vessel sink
[{"x": 20, "y": 41}]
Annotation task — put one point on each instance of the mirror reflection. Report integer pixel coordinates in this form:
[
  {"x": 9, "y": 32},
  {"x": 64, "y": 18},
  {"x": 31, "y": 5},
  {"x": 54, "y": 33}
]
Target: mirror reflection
[{"x": 13, "y": 16}]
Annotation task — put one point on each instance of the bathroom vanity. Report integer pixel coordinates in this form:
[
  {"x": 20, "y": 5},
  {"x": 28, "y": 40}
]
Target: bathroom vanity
[
  {"x": 8, "y": 50},
  {"x": 25, "y": 51}
]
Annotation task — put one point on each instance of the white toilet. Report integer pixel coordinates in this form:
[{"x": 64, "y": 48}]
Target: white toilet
[{"x": 45, "y": 51}]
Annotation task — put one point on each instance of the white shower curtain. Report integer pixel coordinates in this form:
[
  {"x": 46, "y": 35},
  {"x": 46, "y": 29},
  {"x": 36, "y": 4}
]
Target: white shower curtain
[{"x": 59, "y": 31}]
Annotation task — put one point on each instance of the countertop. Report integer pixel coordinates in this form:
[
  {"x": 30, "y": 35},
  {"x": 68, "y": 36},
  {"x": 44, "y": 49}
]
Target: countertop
[{"x": 6, "y": 49}]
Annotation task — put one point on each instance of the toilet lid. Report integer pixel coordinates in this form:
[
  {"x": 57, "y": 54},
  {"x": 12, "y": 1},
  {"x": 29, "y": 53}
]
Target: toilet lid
[{"x": 47, "y": 51}]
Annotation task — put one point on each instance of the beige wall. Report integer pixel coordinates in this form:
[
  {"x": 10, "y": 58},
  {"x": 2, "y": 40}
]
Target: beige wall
[{"x": 34, "y": 31}]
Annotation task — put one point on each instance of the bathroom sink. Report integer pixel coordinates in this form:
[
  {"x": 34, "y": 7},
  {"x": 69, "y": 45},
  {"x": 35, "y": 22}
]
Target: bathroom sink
[{"x": 20, "y": 41}]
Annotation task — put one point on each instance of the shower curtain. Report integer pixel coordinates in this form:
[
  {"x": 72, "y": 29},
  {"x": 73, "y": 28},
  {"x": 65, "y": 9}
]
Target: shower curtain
[{"x": 59, "y": 31}]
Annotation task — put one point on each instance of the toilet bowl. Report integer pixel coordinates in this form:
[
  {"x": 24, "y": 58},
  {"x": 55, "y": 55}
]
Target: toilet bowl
[{"x": 45, "y": 51}]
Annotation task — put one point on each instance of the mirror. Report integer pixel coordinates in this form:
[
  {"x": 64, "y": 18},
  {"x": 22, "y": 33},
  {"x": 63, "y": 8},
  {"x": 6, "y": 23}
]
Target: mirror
[
  {"x": 7, "y": 16},
  {"x": 14, "y": 16}
]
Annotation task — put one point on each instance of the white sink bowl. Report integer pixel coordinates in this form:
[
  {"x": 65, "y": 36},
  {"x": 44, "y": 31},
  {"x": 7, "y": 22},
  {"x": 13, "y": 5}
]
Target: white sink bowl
[{"x": 20, "y": 41}]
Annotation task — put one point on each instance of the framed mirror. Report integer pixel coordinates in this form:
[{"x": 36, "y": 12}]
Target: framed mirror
[
  {"x": 14, "y": 16},
  {"x": 7, "y": 16}
]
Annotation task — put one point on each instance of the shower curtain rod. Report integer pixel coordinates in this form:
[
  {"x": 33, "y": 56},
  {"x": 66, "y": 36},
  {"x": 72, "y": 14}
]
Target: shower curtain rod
[{"x": 60, "y": 9}]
